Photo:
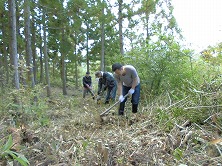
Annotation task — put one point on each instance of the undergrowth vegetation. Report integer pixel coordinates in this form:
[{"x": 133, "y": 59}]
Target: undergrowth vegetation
[
  {"x": 169, "y": 129},
  {"x": 179, "y": 119}
]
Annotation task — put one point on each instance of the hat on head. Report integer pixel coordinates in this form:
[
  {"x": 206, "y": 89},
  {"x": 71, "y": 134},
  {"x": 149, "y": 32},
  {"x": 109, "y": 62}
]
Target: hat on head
[
  {"x": 116, "y": 66},
  {"x": 87, "y": 72}
]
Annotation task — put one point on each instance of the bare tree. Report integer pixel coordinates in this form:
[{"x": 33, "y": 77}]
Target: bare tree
[
  {"x": 87, "y": 46},
  {"x": 46, "y": 56},
  {"x": 63, "y": 72},
  {"x": 76, "y": 61},
  {"x": 103, "y": 40},
  {"x": 121, "y": 26},
  {"x": 4, "y": 49},
  {"x": 33, "y": 42},
  {"x": 13, "y": 42},
  {"x": 28, "y": 42}
]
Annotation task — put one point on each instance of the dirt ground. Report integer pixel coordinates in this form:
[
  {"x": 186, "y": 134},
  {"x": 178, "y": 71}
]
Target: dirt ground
[{"x": 70, "y": 132}]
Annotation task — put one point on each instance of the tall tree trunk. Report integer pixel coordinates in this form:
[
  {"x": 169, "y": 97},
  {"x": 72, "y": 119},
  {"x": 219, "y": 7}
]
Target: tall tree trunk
[
  {"x": 41, "y": 64},
  {"x": 4, "y": 50},
  {"x": 121, "y": 26},
  {"x": 41, "y": 57},
  {"x": 13, "y": 42},
  {"x": 1, "y": 67},
  {"x": 147, "y": 28},
  {"x": 76, "y": 64},
  {"x": 76, "y": 73},
  {"x": 63, "y": 67},
  {"x": 102, "y": 41},
  {"x": 46, "y": 57},
  {"x": 33, "y": 42},
  {"x": 53, "y": 68},
  {"x": 28, "y": 43},
  {"x": 87, "y": 47}
]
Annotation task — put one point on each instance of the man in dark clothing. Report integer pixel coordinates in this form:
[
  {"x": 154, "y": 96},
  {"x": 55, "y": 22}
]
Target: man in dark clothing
[
  {"x": 87, "y": 85},
  {"x": 106, "y": 82}
]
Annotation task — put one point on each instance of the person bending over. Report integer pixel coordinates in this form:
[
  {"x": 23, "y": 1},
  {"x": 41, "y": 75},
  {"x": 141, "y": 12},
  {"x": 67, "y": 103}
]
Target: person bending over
[
  {"x": 106, "y": 82},
  {"x": 128, "y": 81}
]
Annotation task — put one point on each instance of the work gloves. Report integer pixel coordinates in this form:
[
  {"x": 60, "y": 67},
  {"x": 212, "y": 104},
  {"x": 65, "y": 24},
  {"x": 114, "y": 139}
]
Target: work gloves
[
  {"x": 131, "y": 91},
  {"x": 121, "y": 98},
  {"x": 89, "y": 87}
]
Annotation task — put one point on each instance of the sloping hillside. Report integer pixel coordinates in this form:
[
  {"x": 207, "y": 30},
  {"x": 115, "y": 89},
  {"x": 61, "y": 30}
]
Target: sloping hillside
[{"x": 68, "y": 130}]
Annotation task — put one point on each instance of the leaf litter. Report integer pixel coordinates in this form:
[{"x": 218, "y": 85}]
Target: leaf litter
[{"x": 75, "y": 135}]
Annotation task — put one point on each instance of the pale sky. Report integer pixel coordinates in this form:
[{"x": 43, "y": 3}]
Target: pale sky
[{"x": 200, "y": 21}]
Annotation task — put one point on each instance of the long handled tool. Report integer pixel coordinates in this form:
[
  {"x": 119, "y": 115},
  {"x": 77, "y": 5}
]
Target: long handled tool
[
  {"x": 94, "y": 96},
  {"x": 100, "y": 96},
  {"x": 107, "y": 110}
]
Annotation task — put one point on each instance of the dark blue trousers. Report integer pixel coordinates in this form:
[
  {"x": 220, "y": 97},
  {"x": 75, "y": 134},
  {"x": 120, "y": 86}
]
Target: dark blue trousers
[{"x": 134, "y": 99}]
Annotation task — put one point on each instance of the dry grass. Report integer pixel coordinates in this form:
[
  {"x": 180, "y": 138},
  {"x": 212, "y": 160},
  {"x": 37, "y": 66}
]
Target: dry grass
[{"x": 75, "y": 135}]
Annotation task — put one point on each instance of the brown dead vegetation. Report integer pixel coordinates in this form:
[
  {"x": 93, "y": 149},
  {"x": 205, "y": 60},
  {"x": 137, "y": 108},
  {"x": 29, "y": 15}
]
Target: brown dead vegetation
[{"x": 75, "y": 135}]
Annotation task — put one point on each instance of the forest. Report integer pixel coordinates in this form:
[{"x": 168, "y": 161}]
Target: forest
[{"x": 46, "y": 48}]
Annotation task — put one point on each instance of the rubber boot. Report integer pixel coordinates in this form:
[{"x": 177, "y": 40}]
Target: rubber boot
[
  {"x": 121, "y": 108},
  {"x": 134, "y": 108}
]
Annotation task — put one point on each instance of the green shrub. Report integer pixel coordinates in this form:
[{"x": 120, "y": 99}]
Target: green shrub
[{"x": 7, "y": 154}]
